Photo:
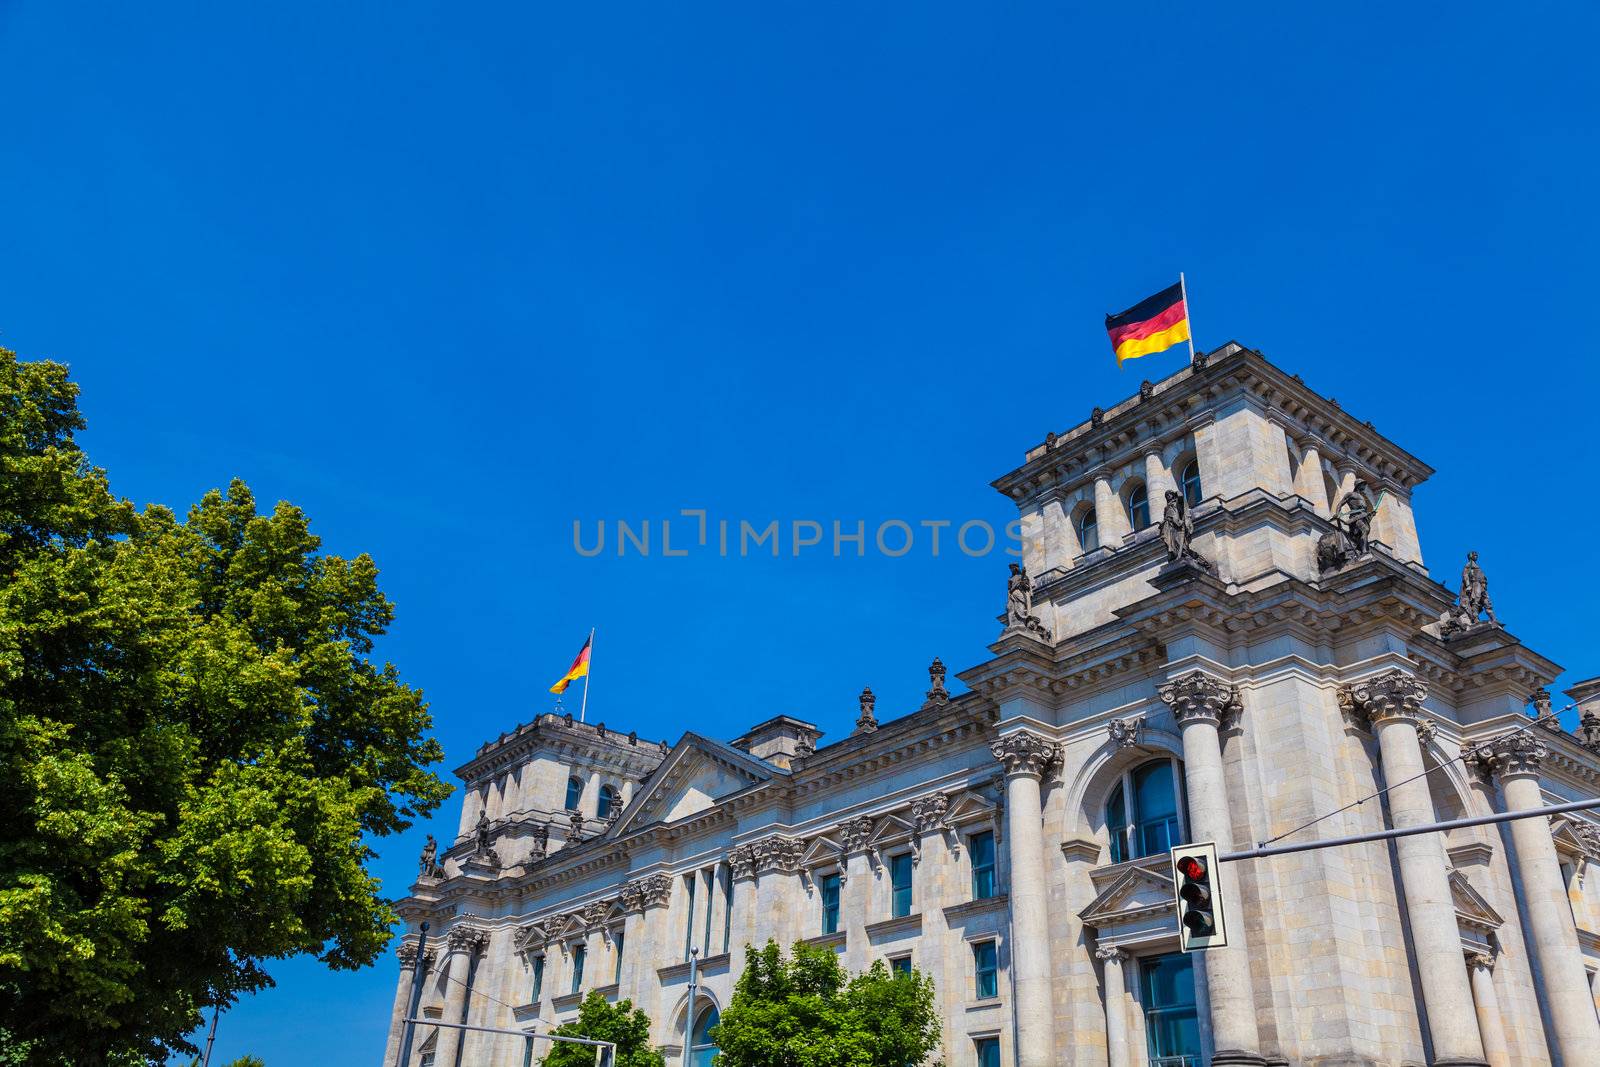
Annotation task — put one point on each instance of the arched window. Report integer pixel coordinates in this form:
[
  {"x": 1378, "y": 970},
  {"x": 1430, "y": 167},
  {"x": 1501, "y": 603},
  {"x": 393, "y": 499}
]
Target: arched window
[
  {"x": 703, "y": 1051},
  {"x": 1189, "y": 479},
  {"x": 574, "y": 793},
  {"x": 1138, "y": 507},
  {"x": 1088, "y": 530},
  {"x": 1145, "y": 813},
  {"x": 607, "y": 803}
]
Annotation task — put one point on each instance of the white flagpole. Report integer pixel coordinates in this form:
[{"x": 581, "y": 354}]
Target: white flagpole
[
  {"x": 583, "y": 709},
  {"x": 1183, "y": 287}
]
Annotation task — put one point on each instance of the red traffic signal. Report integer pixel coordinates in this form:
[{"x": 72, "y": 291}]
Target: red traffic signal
[{"x": 1199, "y": 902}]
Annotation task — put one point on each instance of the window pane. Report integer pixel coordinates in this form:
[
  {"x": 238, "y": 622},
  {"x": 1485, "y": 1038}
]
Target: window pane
[
  {"x": 900, "y": 878},
  {"x": 1089, "y": 532},
  {"x": 538, "y": 978},
  {"x": 988, "y": 1052},
  {"x": 607, "y": 801},
  {"x": 1191, "y": 483},
  {"x": 1171, "y": 1025},
  {"x": 982, "y": 846},
  {"x": 1117, "y": 823},
  {"x": 574, "y": 793},
  {"x": 986, "y": 969},
  {"x": 1139, "y": 508},
  {"x": 704, "y": 1053},
  {"x": 830, "y": 903},
  {"x": 616, "y": 939},
  {"x": 578, "y": 953},
  {"x": 1155, "y": 805},
  {"x": 900, "y": 965}
]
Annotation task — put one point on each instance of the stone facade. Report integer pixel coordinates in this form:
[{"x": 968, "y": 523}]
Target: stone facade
[{"x": 1254, "y": 689}]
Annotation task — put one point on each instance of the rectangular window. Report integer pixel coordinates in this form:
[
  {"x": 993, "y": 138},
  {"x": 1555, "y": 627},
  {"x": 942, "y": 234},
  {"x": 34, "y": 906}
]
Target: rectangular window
[
  {"x": 988, "y": 1049},
  {"x": 987, "y": 968},
  {"x": 900, "y": 965},
  {"x": 711, "y": 897},
  {"x": 900, "y": 881},
  {"x": 1172, "y": 1029},
  {"x": 578, "y": 952},
  {"x": 982, "y": 846},
  {"x": 688, "y": 928},
  {"x": 617, "y": 942},
  {"x": 830, "y": 903},
  {"x": 538, "y": 979},
  {"x": 727, "y": 909}
]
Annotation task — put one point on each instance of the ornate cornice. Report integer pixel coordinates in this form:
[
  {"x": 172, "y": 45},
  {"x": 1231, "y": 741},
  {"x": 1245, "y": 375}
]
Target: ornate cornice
[
  {"x": 1198, "y": 697},
  {"x": 1025, "y": 753}
]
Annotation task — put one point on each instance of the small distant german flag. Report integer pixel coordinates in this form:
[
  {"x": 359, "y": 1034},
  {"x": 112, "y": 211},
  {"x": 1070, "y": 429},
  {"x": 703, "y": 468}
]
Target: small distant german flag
[
  {"x": 1152, "y": 325},
  {"x": 579, "y": 668}
]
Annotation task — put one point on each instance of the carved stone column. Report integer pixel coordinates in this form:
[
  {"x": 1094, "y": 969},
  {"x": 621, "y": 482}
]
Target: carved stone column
[
  {"x": 463, "y": 943},
  {"x": 742, "y": 865},
  {"x": 1109, "y": 514},
  {"x": 1199, "y": 701},
  {"x": 402, "y": 998},
  {"x": 1392, "y": 703},
  {"x": 1487, "y": 1003},
  {"x": 1157, "y": 480},
  {"x": 1309, "y": 482},
  {"x": 1515, "y": 759},
  {"x": 1027, "y": 756},
  {"x": 1116, "y": 1007}
]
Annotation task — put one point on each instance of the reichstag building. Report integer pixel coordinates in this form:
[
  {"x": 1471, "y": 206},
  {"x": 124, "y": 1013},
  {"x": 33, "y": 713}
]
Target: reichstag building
[{"x": 1222, "y": 628}]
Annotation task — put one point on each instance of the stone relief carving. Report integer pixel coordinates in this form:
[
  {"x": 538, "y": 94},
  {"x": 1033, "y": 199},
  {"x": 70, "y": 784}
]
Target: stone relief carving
[
  {"x": 742, "y": 861},
  {"x": 1124, "y": 733},
  {"x": 867, "y": 721},
  {"x": 1019, "y": 605},
  {"x": 1542, "y": 712},
  {"x": 575, "y": 827},
  {"x": 466, "y": 938},
  {"x": 1589, "y": 730},
  {"x": 1518, "y": 752},
  {"x": 927, "y": 814},
  {"x": 540, "y": 834},
  {"x": 429, "y": 867},
  {"x": 856, "y": 832},
  {"x": 1352, "y": 522},
  {"x": 778, "y": 854},
  {"x": 1390, "y": 694},
  {"x": 482, "y": 834}
]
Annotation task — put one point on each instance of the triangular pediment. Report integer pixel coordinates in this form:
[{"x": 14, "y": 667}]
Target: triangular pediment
[
  {"x": 1136, "y": 891},
  {"x": 696, "y": 774},
  {"x": 890, "y": 829},
  {"x": 968, "y": 806},
  {"x": 822, "y": 851},
  {"x": 1471, "y": 908},
  {"x": 1570, "y": 840}
]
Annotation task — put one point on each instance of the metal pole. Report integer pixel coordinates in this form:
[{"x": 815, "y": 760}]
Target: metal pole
[
  {"x": 1385, "y": 835},
  {"x": 1183, "y": 287},
  {"x": 211, "y": 1038},
  {"x": 416, "y": 999},
  {"x": 688, "y": 1022},
  {"x": 583, "y": 709}
]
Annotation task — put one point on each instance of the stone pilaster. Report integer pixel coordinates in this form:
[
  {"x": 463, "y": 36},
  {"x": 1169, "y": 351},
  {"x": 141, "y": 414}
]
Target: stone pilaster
[
  {"x": 1514, "y": 759},
  {"x": 1392, "y": 703},
  {"x": 1487, "y": 1005},
  {"x": 1200, "y": 703},
  {"x": 1026, "y": 757},
  {"x": 1117, "y": 1054},
  {"x": 1157, "y": 482}
]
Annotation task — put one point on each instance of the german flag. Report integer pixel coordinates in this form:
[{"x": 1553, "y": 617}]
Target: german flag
[
  {"x": 1152, "y": 325},
  {"x": 579, "y": 668}
]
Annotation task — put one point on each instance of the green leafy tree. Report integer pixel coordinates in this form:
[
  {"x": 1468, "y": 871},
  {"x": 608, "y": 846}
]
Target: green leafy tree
[
  {"x": 195, "y": 748},
  {"x": 246, "y": 1061},
  {"x": 806, "y": 1011},
  {"x": 621, "y": 1023}
]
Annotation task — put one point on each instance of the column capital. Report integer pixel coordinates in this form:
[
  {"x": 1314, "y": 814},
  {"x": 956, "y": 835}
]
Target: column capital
[
  {"x": 1480, "y": 961},
  {"x": 1515, "y": 753},
  {"x": 1385, "y": 697},
  {"x": 778, "y": 854},
  {"x": 742, "y": 861},
  {"x": 407, "y": 954},
  {"x": 1198, "y": 697},
  {"x": 641, "y": 894},
  {"x": 464, "y": 937},
  {"x": 1110, "y": 955},
  {"x": 1025, "y": 753}
]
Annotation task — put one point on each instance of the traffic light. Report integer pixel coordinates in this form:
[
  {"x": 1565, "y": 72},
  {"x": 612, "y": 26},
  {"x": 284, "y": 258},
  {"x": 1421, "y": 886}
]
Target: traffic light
[{"x": 1196, "y": 878}]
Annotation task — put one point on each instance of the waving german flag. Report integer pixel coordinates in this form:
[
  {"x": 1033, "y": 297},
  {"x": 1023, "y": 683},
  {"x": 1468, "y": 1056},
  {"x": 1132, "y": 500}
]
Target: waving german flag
[
  {"x": 579, "y": 668},
  {"x": 1152, "y": 325}
]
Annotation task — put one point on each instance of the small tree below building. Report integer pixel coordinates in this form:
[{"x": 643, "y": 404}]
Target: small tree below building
[
  {"x": 806, "y": 1011},
  {"x": 599, "y": 1020}
]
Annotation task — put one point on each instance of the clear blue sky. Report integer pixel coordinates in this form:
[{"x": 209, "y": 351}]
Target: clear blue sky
[{"x": 450, "y": 278}]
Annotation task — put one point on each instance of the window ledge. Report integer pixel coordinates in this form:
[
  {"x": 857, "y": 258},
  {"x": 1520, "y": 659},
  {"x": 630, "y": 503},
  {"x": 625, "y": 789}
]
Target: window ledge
[
  {"x": 567, "y": 1001},
  {"x": 607, "y": 991},
  {"x": 675, "y": 971},
  {"x": 833, "y": 940},
  {"x": 972, "y": 908},
  {"x": 898, "y": 926},
  {"x": 984, "y": 1005}
]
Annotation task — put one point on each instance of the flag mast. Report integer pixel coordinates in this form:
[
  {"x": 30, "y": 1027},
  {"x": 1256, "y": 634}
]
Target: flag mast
[
  {"x": 583, "y": 709},
  {"x": 1183, "y": 287}
]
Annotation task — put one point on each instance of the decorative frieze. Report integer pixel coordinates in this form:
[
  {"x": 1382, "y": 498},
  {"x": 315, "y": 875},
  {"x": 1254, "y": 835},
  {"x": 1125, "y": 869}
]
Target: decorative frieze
[
  {"x": 1199, "y": 697},
  {"x": 1025, "y": 752},
  {"x": 1518, "y": 752}
]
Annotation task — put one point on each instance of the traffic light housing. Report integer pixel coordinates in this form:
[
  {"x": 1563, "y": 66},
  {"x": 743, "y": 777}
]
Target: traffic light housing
[{"x": 1197, "y": 883}]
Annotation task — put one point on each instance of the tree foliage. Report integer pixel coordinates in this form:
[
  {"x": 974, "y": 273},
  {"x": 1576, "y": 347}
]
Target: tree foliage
[
  {"x": 623, "y": 1024},
  {"x": 805, "y": 1011},
  {"x": 194, "y": 747}
]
